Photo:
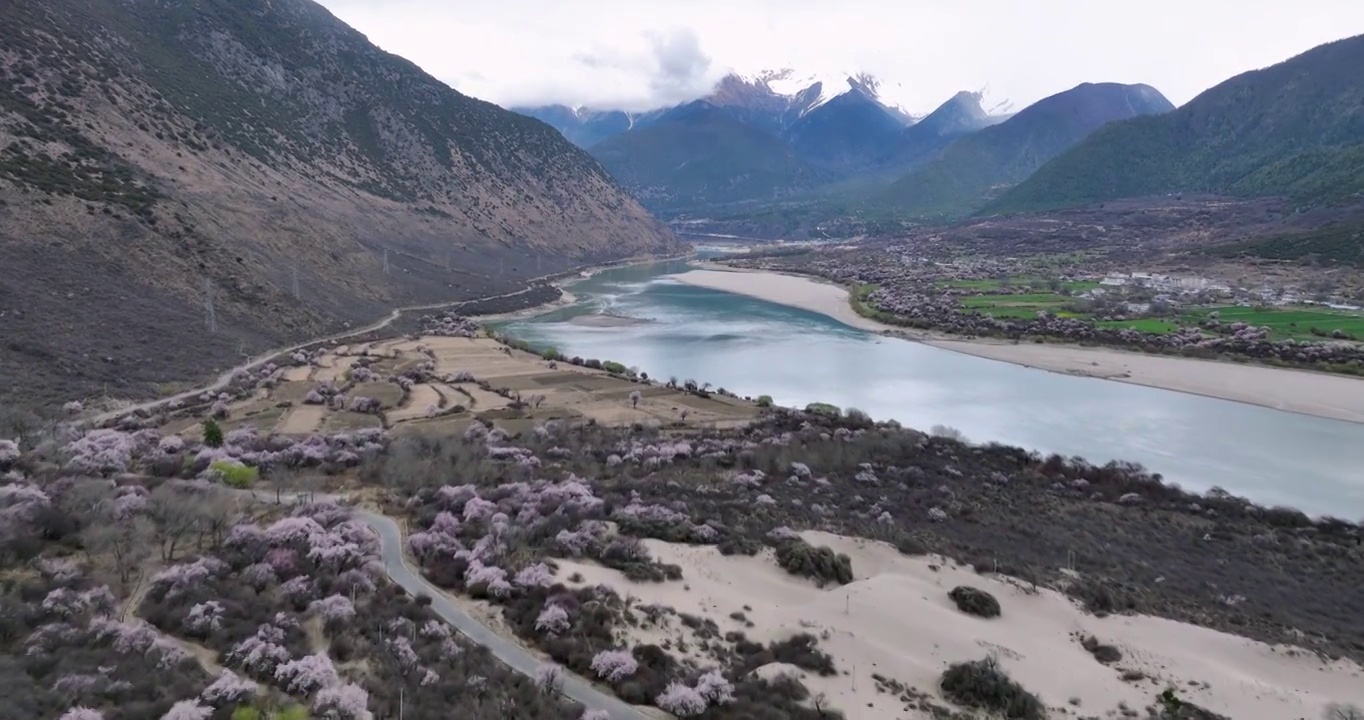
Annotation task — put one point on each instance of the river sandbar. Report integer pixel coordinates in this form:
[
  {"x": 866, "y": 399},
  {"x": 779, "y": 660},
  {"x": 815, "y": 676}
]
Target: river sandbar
[{"x": 1337, "y": 397}]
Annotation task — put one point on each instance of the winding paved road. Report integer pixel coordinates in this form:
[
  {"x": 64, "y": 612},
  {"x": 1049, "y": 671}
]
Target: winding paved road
[
  {"x": 391, "y": 540},
  {"x": 400, "y": 572}
]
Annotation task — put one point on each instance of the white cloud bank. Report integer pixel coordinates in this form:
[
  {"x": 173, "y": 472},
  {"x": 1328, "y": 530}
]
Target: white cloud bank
[{"x": 639, "y": 54}]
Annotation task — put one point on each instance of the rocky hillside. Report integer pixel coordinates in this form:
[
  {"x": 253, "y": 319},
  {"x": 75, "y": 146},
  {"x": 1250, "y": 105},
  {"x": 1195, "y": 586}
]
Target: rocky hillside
[
  {"x": 1295, "y": 129},
  {"x": 970, "y": 169},
  {"x": 266, "y": 152}
]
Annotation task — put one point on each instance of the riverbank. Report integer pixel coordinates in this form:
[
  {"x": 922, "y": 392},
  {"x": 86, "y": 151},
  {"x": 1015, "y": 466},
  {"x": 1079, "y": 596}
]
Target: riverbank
[
  {"x": 564, "y": 281},
  {"x": 1301, "y": 391}
]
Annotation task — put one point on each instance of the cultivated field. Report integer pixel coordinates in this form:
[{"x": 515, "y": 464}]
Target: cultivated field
[
  {"x": 472, "y": 379},
  {"x": 1284, "y": 323}
]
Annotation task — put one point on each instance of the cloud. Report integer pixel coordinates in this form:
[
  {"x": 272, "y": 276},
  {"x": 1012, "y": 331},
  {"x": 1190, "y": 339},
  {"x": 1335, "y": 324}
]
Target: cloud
[
  {"x": 644, "y": 54},
  {"x": 667, "y": 67},
  {"x": 683, "y": 68}
]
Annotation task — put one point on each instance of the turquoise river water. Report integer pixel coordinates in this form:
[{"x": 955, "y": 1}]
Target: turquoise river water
[{"x": 754, "y": 347}]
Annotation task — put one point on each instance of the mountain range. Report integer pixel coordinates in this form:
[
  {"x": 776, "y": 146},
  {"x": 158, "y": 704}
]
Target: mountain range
[
  {"x": 262, "y": 158},
  {"x": 970, "y": 168},
  {"x": 1295, "y": 129},
  {"x": 772, "y": 137},
  {"x": 760, "y": 138}
]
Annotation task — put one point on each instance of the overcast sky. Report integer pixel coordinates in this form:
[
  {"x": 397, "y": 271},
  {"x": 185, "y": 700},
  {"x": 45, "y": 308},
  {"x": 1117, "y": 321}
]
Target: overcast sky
[{"x": 639, "y": 54}]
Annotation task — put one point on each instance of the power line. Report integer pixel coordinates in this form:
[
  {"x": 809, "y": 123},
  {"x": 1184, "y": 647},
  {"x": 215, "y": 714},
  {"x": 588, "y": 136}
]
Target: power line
[{"x": 212, "y": 316}]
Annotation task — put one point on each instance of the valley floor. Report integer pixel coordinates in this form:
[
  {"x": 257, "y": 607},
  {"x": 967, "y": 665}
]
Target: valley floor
[{"x": 1310, "y": 393}]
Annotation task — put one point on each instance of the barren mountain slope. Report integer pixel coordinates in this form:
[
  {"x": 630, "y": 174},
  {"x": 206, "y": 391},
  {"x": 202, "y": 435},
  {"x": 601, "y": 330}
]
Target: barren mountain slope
[{"x": 151, "y": 147}]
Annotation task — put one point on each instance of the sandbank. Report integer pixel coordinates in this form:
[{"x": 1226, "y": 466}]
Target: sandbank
[
  {"x": 1337, "y": 397},
  {"x": 897, "y": 621}
]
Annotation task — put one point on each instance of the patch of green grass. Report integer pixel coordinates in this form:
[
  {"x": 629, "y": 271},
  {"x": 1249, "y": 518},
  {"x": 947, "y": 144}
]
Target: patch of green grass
[
  {"x": 1025, "y": 306},
  {"x": 1291, "y": 322},
  {"x": 235, "y": 474},
  {"x": 1284, "y": 323},
  {"x": 1150, "y": 325}
]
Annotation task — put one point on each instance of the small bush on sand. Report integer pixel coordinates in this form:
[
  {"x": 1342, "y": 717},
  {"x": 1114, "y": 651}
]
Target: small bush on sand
[
  {"x": 974, "y": 601},
  {"x": 802, "y": 651},
  {"x": 909, "y": 545},
  {"x": 820, "y": 563},
  {"x": 1106, "y": 654},
  {"x": 1101, "y": 598},
  {"x": 981, "y": 684}
]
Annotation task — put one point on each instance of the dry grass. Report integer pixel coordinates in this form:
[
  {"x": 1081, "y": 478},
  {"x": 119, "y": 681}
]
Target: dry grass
[
  {"x": 302, "y": 420},
  {"x": 347, "y": 421},
  {"x": 388, "y": 394},
  {"x": 565, "y": 392}
]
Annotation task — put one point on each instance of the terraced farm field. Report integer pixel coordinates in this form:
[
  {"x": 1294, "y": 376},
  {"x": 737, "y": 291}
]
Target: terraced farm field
[{"x": 479, "y": 379}]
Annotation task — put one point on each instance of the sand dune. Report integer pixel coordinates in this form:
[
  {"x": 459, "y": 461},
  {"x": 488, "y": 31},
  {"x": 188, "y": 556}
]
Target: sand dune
[
  {"x": 1311, "y": 393},
  {"x": 896, "y": 620}
]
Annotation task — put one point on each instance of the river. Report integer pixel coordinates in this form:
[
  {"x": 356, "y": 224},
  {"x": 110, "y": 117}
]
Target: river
[{"x": 753, "y": 347}]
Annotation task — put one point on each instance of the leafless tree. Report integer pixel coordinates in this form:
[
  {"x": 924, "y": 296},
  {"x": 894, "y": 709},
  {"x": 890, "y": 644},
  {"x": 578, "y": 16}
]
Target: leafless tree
[
  {"x": 282, "y": 480},
  {"x": 87, "y": 499},
  {"x": 821, "y": 703},
  {"x": 126, "y": 543},
  {"x": 634, "y": 398},
  {"x": 174, "y": 512},
  {"x": 308, "y": 484},
  {"x": 216, "y": 512},
  {"x": 21, "y": 425}
]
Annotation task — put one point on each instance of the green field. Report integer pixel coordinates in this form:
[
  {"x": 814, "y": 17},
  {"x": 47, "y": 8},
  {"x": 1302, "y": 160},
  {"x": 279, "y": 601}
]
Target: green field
[
  {"x": 1016, "y": 306},
  {"x": 1284, "y": 323},
  {"x": 1294, "y": 322}
]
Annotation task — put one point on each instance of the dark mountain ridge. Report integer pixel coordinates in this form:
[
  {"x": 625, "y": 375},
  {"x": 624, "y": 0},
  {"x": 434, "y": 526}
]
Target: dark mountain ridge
[
  {"x": 846, "y": 133},
  {"x": 961, "y": 178},
  {"x": 1294, "y": 129},
  {"x": 701, "y": 154},
  {"x": 261, "y": 148},
  {"x": 961, "y": 115}
]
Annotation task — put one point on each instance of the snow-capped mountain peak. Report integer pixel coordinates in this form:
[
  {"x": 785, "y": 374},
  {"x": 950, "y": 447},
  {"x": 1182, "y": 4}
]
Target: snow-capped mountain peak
[
  {"x": 804, "y": 92},
  {"x": 825, "y": 87}
]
